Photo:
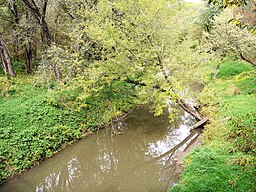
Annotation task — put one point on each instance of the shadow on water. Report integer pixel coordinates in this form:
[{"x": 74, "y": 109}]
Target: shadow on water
[{"x": 142, "y": 158}]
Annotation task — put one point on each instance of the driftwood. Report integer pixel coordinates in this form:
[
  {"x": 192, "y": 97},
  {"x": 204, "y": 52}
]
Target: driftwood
[
  {"x": 199, "y": 124},
  {"x": 189, "y": 109},
  {"x": 175, "y": 148},
  {"x": 195, "y": 131},
  {"x": 169, "y": 153}
]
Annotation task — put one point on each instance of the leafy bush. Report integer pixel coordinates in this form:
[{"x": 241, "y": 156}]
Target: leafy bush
[
  {"x": 19, "y": 67},
  {"x": 243, "y": 133}
]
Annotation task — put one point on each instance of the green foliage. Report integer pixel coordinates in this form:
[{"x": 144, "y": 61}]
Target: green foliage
[
  {"x": 108, "y": 103},
  {"x": 211, "y": 169},
  {"x": 5, "y": 86},
  {"x": 245, "y": 14},
  {"x": 247, "y": 85},
  {"x": 243, "y": 133},
  {"x": 139, "y": 42},
  {"x": 19, "y": 67},
  {"x": 226, "y": 3},
  {"x": 232, "y": 68},
  {"x": 37, "y": 122},
  {"x": 227, "y": 160},
  {"x": 226, "y": 38},
  {"x": 32, "y": 128}
]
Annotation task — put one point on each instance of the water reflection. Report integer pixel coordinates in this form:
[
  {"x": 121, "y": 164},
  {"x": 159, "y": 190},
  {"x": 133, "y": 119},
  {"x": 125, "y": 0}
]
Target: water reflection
[{"x": 137, "y": 160}]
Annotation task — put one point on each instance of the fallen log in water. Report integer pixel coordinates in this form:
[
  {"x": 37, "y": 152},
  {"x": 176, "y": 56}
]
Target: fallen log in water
[
  {"x": 189, "y": 109},
  {"x": 200, "y": 124}
]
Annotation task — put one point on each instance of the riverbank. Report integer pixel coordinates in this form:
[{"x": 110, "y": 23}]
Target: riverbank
[
  {"x": 226, "y": 160},
  {"x": 38, "y": 121},
  {"x": 127, "y": 162}
]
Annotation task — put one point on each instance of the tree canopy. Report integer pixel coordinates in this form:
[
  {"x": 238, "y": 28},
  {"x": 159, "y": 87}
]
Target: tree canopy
[{"x": 157, "y": 47}]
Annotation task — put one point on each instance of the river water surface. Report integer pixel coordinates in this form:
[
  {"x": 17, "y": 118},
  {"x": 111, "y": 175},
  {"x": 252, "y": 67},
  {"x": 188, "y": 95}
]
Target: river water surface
[{"x": 105, "y": 163}]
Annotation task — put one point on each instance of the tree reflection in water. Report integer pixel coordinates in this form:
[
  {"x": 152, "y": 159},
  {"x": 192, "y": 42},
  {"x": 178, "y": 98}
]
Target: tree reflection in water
[
  {"x": 62, "y": 180},
  {"x": 140, "y": 159}
]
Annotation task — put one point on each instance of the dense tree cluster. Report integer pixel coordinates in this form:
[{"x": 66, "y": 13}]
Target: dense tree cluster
[{"x": 90, "y": 44}]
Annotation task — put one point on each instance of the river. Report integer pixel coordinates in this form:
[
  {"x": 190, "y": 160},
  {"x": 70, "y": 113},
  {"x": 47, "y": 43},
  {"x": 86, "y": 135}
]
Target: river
[{"x": 104, "y": 162}]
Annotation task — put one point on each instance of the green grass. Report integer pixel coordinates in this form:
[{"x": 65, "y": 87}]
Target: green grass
[
  {"x": 212, "y": 169},
  {"x": 233, "y": 68},
  {"x": 227, "y": 159},
  {"x": 247, "y": 85}
]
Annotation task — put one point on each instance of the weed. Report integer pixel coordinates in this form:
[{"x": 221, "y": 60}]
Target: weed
[{"x": 36, "y": 122}]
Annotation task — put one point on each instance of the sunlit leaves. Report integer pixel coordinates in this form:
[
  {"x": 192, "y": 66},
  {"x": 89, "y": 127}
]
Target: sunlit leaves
[
  {"x": 226, "y": 38},
  {"x": 153, "y": 45}
]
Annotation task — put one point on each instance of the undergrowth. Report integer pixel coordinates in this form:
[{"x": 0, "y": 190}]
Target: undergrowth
[
  {"x": 37, "y": 121},
  {"x": 227, "y": 159}
]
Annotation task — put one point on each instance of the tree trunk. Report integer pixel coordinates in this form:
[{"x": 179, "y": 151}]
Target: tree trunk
[
  {"x": 45, "y": 32},
  {"x": 215, "y": 73},
  {"x": 57, "y": 72},
  {"x": 247, "y": 60},
  {"x": 6, "y": 59},
  {"x": 29, "y": 57},
  {"x": 200, "y": 124},
  {"x": 3, "y": 63},
  {"x": 189, "y": 109},
  {"x": 46, "y": 35},
  {"x": 40, "y": 18}
]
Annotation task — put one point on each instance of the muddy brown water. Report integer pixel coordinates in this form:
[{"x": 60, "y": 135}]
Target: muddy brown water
[{"x": 105, "y": 163}]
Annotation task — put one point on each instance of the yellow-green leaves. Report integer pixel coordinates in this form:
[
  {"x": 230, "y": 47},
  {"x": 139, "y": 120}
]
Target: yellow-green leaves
[{"x": 149, "y": 44}]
